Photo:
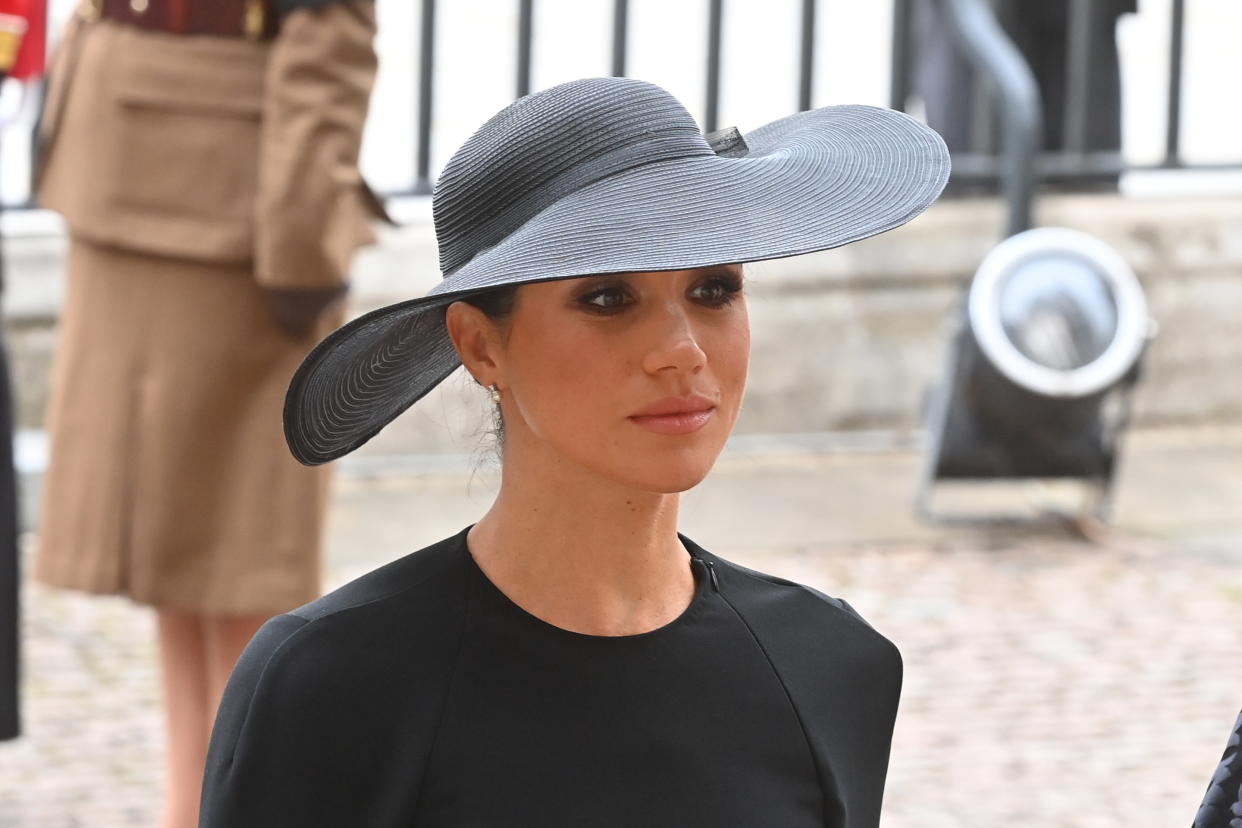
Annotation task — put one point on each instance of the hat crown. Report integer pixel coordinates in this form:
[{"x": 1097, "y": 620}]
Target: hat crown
[{"x": 546, "y": 145}]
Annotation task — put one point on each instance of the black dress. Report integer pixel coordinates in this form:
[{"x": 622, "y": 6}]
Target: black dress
[{"x": 420, "y": 695}]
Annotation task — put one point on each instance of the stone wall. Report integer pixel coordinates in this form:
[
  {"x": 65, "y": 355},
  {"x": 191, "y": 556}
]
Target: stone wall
[{"x": 842, "y": 340}]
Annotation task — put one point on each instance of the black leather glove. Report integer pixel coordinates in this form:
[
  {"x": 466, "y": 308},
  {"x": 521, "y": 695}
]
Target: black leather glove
[{"x": 297, "y": 311}]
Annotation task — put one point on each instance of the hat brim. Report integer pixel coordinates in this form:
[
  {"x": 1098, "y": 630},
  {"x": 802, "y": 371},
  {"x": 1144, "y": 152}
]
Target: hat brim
[{"x": 812, "y": 181}]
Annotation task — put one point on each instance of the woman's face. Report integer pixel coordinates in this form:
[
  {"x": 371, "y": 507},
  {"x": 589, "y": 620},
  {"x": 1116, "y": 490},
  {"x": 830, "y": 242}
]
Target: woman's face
[{"x": 582, "y": 358}]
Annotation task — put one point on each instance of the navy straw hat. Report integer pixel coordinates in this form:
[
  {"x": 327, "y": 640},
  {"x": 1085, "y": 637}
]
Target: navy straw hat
[{"x": 610, "y": 175}]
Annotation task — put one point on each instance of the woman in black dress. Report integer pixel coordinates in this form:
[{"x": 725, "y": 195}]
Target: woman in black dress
[{"x": 571, "y": 659}]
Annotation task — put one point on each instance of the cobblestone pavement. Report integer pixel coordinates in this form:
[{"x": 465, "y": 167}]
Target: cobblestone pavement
[{"x": 1049, "y": 680}]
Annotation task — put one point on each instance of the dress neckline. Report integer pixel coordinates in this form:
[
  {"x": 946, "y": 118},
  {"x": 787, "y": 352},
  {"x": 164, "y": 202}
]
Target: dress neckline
[{"x": 703, "y": 585}]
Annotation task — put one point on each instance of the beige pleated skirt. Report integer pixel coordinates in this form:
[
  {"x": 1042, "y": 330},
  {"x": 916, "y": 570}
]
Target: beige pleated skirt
[{"x": 169, "y": 479}]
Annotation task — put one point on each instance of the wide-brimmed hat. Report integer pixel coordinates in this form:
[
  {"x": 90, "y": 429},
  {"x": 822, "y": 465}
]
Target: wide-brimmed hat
[{"x": 611, "y": 175}]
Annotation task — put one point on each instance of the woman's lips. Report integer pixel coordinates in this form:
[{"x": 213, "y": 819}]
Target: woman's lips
[{"x": 684, "y": 423}]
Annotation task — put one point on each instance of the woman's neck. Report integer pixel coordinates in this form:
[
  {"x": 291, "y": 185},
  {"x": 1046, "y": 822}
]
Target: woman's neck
[{"x": 584, "y": 553}]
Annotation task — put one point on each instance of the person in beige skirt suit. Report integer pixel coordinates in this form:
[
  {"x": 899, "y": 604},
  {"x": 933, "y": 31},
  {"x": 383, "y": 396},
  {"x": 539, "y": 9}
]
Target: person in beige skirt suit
[{"x": 203, "y": 154}]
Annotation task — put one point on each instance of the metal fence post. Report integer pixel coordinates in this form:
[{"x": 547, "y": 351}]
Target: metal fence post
[{"x": 1015, "y": 93}]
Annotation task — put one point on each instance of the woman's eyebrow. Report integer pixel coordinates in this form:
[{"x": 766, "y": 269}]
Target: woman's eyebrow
[
  {"x": 595, "y": 278},
  {"x": 722, "y": 270},
  {"x": 709, "y": 270}
]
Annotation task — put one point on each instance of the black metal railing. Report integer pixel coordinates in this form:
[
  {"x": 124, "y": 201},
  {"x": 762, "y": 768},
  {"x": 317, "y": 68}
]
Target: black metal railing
[
  {"x": 978, "y": 36},
  {"x": 1072, "y": 160}
]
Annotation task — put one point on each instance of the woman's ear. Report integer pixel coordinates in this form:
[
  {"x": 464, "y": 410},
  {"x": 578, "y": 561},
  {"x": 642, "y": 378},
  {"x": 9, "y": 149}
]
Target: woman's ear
[{"x": 476, "y": 339}]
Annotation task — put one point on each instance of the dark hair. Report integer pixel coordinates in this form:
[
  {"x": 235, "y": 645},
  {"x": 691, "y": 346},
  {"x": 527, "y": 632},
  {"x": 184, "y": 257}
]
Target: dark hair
[{"x": 497, "y": 304}]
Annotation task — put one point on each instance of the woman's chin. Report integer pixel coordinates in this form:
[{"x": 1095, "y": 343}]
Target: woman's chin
[{"x": 671, "y": 472}]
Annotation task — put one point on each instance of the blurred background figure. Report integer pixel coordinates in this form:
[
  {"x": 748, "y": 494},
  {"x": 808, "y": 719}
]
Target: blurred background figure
[
  {"x": 956, "y": 103},
  {"x": 22, "y": 34},
  {"x": 203, "y": 154}
]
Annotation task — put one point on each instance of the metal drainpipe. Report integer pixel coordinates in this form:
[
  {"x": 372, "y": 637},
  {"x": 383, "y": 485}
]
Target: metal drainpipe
[{"x": 1015, "y": 95}]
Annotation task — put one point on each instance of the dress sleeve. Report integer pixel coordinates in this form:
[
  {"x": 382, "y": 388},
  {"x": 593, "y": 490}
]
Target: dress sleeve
[
  {"x": 252, "y": 770},
  {"x": 290, "y": 736},
  {"x": 324, "y": 722},
  {"x": 312, "y": 207}
]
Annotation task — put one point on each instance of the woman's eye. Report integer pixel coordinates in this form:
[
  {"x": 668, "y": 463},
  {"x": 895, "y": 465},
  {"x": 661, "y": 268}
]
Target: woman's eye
[
  {"x": 715, "y": 292},
  {"x": 719, "y": 291},
  {"x": 605, "y": 299}
]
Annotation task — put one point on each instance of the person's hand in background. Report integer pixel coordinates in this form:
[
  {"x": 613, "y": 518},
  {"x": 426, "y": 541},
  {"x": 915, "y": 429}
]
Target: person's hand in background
[{"x": 297, "y": 310}]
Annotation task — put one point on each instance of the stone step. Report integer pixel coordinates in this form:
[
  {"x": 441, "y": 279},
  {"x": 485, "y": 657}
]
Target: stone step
[{"x": 845, "y": 339}]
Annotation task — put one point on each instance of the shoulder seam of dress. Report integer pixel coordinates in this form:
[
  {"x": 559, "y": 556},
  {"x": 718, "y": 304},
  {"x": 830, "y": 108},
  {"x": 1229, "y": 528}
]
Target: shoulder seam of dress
[
  {"x": 839, "y": 604},
  {"x": 376, "y": 600},
  {"x": 258, "y": 681},
  {"x": 308, "y": 622},
  {"x": 820, "y": 772}
]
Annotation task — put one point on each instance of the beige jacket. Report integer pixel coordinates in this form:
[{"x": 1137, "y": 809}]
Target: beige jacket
[{"x": 213, "y": 148}]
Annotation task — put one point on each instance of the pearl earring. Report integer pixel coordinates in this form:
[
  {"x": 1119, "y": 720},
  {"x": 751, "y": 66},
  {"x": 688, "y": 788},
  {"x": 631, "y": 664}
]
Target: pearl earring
[{"x": 495, "y": 393}]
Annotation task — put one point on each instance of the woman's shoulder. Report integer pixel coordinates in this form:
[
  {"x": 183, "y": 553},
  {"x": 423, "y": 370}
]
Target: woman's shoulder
[
  {"x": 404, "y": 604},
  {"x": 787, "y": 610},
  {"x": 326, "y": 699},
  {"x": 429, "y": 570}
]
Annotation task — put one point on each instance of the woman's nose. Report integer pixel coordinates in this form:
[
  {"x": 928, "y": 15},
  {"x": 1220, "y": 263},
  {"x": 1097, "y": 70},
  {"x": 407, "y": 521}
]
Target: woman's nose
[{"x": 676, "y": 343}]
